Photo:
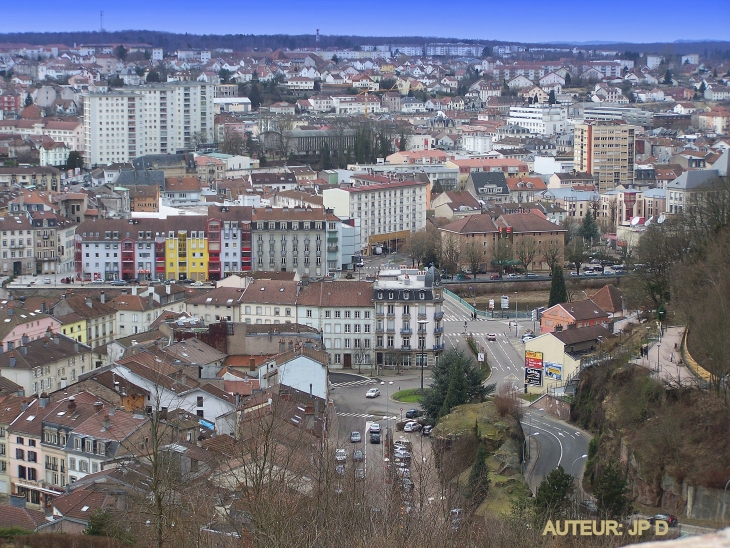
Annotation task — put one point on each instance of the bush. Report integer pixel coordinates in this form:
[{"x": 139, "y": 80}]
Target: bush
[{"x": 506, "y": 402}]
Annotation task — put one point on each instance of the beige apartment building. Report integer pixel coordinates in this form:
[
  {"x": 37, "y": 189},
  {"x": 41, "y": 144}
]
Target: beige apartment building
[{"x": 606, "y": 151}]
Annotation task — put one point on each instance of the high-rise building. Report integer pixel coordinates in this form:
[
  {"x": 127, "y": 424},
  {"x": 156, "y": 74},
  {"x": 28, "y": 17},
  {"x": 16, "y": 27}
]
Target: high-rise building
[
  {"x": 606, "y": 151},
  {"x": 151, "y": 119}
]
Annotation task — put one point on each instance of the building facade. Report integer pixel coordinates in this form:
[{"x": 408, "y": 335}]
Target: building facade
[{"x": 606, "y": 151}]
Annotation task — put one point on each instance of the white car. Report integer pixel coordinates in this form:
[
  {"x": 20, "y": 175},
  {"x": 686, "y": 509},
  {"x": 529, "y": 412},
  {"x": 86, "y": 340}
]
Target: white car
[
  {"x": 375, "y": 428},
  {"x": 411, "y": 426},
  {"x": 197, "y": 284},
  {"x": 372, "y": 393},
  {"x": 340, "y": 455},
  {"x": 491, "y": 336}
]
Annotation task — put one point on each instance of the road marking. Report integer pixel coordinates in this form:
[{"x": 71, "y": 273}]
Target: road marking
[
  {"x": 352, "y": 383},
  {"x": 358, "y": 415},
  {"x": 553, "y": 435}
]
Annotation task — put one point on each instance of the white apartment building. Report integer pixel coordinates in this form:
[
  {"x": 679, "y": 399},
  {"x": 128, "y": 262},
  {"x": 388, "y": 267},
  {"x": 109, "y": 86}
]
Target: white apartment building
[
  {"x": 408, "y": 318},
  {"x": 540, "y": 119},
  {"x": 388, "y": 211},
  {"x": 151, "y": 119},
  {"x": 356, "y": 104}
]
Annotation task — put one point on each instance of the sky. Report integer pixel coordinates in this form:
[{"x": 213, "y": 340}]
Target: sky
[{"x": 519, "y": 21}]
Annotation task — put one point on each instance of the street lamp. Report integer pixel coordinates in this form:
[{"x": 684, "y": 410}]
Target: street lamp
[
  {"x": 387, "y": 398},
  {"x": 515, "y": 313},
  {"x": 576, "y": 460},
  {"x": 658, "y": 345},
  {"x": 422, "y": 340}
]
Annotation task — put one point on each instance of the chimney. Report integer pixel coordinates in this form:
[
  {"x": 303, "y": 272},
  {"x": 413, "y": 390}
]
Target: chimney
[
  {"x": 98, "y": 406},
  {"x": 76, "y": 347},
  {"x": 12, "y": 359},
  {"x": 43, "y": 307},
  {"x": 24, "y": 350},
  {"x": 151, "y": 296},
  {"x": 167, "y": 289},
  {"x": 11, "y": 310},
  {"x": 56, "y": 338},
  {"x": 252, "y": 364},
  {"x": 44, "y": 400},
  {"x": 106, "y": 422},
  {"x": 134, "y": 290},
  {"x": 71, "y": 404},
  {"x": 24, "y": 405},
  {"x": 103, "y": 298},
  {"x": 24, "y": 339},
  {"x": 48, "y": 334},
  {"x": 88, "y": 302},
  {"x": 112, "y": 411}
]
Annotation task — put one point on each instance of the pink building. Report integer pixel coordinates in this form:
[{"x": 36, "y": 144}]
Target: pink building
[{"x": 19, "y": 325}]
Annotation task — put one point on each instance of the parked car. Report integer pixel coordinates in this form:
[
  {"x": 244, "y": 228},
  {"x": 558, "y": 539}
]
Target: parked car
[
  {"x": 495, "y": 277},
  {"x": 403, "y": 443},
  {"x": 411, "y": 426},
  {"x": 403, "y": 472},
  {"x": 671, "y": 520},
  {"x": 461, "y": 277},
  {"x": 372, "y": 393},
  {"x": 400, "y": 453},
  {"x": 427, "y": 430},
  {"x": 512, "y": 275},
  {"x": 375, "y": 427},
  {"x": 527, "y": 337},
  {"x": 575, "y": 273},
  {"x": 407, "y": 484},
  {"x": 187, "y": 281},
  {"x": 374, "y": 437},
  {"x": 118, "y": 283},
  {"x": 413, "y": 413},
  {"x": 340, "y": 469},
  {"x": 340, "y": 455},
  {"x": 46, "y": 280},
  {"x": 197, "y": 284},
  {"x": 98, "y": 282},
  {"x": 357, "y": 455},
  {"x": 491, "y": 336},
  {"x": 360, "y": 474},
  {"x": 355, "y": 437}
]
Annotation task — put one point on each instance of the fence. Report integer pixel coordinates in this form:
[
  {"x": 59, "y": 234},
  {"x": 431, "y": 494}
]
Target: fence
[{"x": 497, "y": 313}]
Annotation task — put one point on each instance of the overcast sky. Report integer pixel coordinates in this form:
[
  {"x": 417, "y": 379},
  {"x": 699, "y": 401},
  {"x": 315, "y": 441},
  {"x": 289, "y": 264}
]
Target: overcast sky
[{"x": 519, "y": 21}]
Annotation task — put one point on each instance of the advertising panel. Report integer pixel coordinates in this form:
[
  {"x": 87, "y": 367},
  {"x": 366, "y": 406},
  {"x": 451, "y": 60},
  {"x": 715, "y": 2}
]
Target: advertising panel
[
  {"x": 554, "y": 371},
  {"x": 533, "y": 368}
]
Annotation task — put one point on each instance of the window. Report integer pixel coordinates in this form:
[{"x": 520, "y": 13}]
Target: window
[
  {"x": 32, "y": 456},
  {"x": 327, "y": 313},
  {"x": 309, "y": 313},
  {"x": 89, "y": 446},
  {"x": 200, "y": 401},
  {"x": 19, "y": 454},
  {"x": 32, "y": 474},
  {"x": 83, "y": 466},
  {"x": 391, "y": 342}
]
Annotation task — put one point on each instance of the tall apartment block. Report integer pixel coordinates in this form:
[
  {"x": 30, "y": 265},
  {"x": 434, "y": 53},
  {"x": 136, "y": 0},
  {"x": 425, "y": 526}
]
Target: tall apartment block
[
  {"x": 606, "y": 151},
  {"x": 151, "y": 119}
]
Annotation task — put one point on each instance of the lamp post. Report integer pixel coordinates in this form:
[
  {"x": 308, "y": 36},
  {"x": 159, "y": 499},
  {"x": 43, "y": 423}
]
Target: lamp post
[
  {"x": 724, "y": 492},
  {"x": 422, "y": 340},
  {"x": 515, "y": 313},
  {"x": 658, "y": 346},
  {"x": 576, "y": 460},
  {"x": 387, "y": 399}
]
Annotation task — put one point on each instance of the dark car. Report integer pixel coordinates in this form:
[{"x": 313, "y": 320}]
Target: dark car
[
  {"x": 413, "y": 413},
  {"x": 671, "y": 520},
  {"x": 118, "y": 282},
  {"x": 427, "y": 430},
  {"x": 495, "y": 277},
  {"x": 187, "y": 281},
  {"x": 374, "y": 437}
]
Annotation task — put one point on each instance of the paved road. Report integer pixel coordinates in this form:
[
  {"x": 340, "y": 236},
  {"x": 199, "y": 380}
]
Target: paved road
[{"x": 558, "y": 444}]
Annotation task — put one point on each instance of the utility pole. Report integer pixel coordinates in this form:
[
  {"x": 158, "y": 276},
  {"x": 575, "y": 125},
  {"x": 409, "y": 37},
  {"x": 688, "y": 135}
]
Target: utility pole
[{"x": 101, "y": 21}]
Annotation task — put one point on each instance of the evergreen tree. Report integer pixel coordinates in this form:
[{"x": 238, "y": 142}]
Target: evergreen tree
[
  {"x": 28, "y": 100},
  {"x": 558, "y": 291},
  {"x": 479, "y": 481},
  {"x": 567, "y": 78},
  {"x": 437, "y": 188},
  {"x": 254, "y": 95},
  {"x": 402, "y": 142},
  {"x": 668, "y": 77},
  {"x": 456, "y": 393},
  {"x": 551, "y": 99},
  {"x": 325, "y": 156},
  {"x": 74, "y": 160},
  {"x": 553, "y": 494},
  {"x": 612, "y": 492},
  {"x": 262, "y": 160},
  {"x": 589, "y": 229}
]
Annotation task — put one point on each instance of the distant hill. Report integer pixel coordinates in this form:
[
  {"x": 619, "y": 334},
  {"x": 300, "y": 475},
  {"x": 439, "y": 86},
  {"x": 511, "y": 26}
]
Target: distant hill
[{"x": 242, "y": 42}]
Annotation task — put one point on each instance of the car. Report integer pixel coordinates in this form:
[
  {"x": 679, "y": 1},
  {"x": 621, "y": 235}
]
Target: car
[
  {"x": 401, "y": 454},
  {"x": 340, "y": 455},
  {"x": 512, "y": 275},
  {"x": 491, "y": 336},
  {"x": 532, "y": 275},
  {"x": 403, "y": 443},
  {"x": 98, "y": 282},
  {"x": 591, "y": 273},
  {"x": 411, "y": 426},
  {"x": 374, "y": 437},
  {"x": 372, "y": 393},
  {"x": 197, "y": 284},
  {"x": 526, "y": 338},
  {"x": 403, "y": 472},
  {"x": 358, "y": 456},
  {"x": 360, "y": 474},
  {"x": 46, "y": 280},
  {"x": 355, "y": 437},
  {"x": 461, "y": 277},
  {"x": 153, "y": 282},
  {"x": 360, "y": 264},
  {"x": 187, "y": 281},
  {"x": 495, "y": 277},
  {"x": 670, "y": 519},
  {"x": 413, "y": 413},
  {"x": 340, "y": 469},
  {"x": 118, "y": 283},
  {"x": 575, "y": 273},
  {"x": 427, "y": 430},
  {"x": 375, "y": 427},
  {"x": 407, "y": 484}
]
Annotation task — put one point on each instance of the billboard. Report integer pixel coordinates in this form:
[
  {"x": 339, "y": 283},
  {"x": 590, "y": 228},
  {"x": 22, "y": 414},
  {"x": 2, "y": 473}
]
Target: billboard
[
  {"x": 533, "y": 368},
  {"x": 505, "y": 302},
  {"x": 554, "y": 371}
]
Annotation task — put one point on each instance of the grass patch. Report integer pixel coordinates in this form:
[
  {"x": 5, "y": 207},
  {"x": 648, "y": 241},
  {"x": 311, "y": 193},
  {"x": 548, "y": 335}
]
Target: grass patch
[
  {"x": 529, "y": 397},
  {"x": 411, "y": 395}
]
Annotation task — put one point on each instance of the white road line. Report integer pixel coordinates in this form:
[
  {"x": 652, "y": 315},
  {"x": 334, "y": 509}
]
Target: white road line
[{"x": 553, "y": 435}]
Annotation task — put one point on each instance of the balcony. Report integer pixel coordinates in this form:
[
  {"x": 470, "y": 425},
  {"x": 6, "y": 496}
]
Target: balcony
[
  {"x": 436, "y": 315},
  {"x": 379, "y": 315},
  {"x": 422, "y": 316},
  {"x": 406, "y": 347},
  {"x": 380, "y": 329},
  {"x": 390, "y": 329},
  {"x": 406, "y": 331},
  {"x": 332, "y": 249},
  {"x": 437, "y": 347},
  {"x": 53, "y": 467},
  {"x": 438, "y": 330}
]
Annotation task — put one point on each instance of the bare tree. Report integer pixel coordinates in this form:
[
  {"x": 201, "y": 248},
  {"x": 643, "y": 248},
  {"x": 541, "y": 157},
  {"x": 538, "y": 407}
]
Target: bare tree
[
  {"x": 526, "y": 251},
  {"x": 233, "y": 142},
  {"x": 450, "y": 252},
  {"x": 502, "y": 253},
  {"x": 422, "y": 245},
  {"x": 473, "y": 256},
  {"x": 551, "y": 253}
]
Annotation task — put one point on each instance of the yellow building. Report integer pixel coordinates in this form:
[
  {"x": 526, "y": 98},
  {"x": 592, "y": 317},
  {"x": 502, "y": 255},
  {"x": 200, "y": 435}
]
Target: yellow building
[
  {"x": 74, "y": 327},
  {"x": 186, "y": 254}
]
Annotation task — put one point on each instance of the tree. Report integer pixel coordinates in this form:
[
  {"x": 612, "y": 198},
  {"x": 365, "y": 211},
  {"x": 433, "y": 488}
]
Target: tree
[
  {"x": 551, "y": 253},
  {"x": 233, "y": 142},
  {"x": 28, "y": 100},
  {"x": 567, "y": 79},
  {"x": 115, "y": 82},
  {"x": 667, "y": 77},
  {"x": 589, "y": 230},
  {"x": 526, "y": 251},
  {"x": 478, "y": 485},
  {"x": 450, "y": 252},
  {"x": 473, "y": 256},
  {"x": 335, "y": 59},
  {"x": 612, "y": 492},
  {"x": 325, "y": 159},
  {"x": 121, "y": 52},
  {"x": 458, "y": 374},
  {"x": 558, "y": 291},
  {"x": 263, "y": 162},
  {"x": 102, "y": 523},
  {"x": 502, "y": 253},
  {"x": 153, "y": 76},
  {"x": 254, "y": 95},
  {"x": 576, "y": 253},
  {"x": 422, "y": 245},
  {"x": 225, "y": 75},
  {"x": 74, "y": 160},
  {"x": 554, "y": 493},
  {"x": 551, "y": 98}
]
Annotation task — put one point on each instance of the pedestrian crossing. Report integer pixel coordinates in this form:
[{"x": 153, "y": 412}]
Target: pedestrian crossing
[
  {"x": 366, "y": 416},
  {"x": 353, "y": 383}
]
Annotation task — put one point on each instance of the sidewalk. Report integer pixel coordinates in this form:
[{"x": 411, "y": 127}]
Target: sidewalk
[{"x": 664, "y": 359}]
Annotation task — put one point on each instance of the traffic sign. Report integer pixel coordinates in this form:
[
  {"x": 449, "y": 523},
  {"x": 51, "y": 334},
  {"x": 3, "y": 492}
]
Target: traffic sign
[
  {"x": 480, "y": 357},
  {"x": 491, "y": 304}
]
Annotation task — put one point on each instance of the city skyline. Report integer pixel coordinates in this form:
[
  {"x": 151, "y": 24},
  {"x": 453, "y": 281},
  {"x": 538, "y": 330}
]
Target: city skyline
[{"x": 528, "y": 22}]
